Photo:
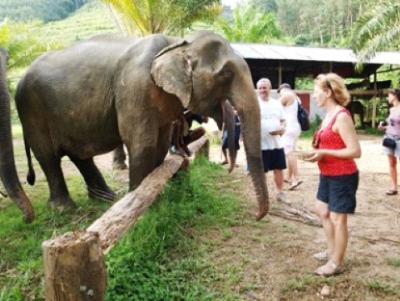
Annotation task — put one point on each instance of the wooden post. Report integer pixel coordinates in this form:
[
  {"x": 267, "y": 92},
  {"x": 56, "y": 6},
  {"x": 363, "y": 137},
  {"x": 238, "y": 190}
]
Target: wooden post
[
  {"x": 74, "y": 268},
  {"x": 280, "y": 74},
  {"x": 374, "y": 102}
]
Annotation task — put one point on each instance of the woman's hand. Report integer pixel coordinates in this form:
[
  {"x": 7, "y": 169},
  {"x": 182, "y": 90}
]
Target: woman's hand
[
  {"x": 382, "y": 126},
  {"x": 314, "y": 156}
]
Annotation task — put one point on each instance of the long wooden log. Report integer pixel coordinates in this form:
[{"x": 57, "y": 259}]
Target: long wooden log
[{"x": 124, "y": 213}]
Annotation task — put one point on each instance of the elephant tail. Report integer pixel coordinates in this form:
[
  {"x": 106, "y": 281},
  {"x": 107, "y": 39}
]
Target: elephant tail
[{"x": 31, "y": 172}]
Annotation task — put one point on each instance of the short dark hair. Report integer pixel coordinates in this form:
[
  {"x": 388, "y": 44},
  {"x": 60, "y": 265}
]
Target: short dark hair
[
  {"x": 395, "y": 92},
  {"x": 284, "y": 86}
]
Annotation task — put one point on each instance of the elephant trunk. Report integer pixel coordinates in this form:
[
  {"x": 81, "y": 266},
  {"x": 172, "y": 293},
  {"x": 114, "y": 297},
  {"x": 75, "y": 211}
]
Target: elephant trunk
[
  {"x": 8, "y": 173},
  {"x": 245, "y": 101}
]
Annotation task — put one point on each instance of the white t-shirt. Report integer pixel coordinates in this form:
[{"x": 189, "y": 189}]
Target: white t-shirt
[{"x": 271, "y": 115}]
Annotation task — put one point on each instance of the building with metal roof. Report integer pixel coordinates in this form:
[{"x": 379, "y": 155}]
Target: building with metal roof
[{"x": 286, "y": 63}]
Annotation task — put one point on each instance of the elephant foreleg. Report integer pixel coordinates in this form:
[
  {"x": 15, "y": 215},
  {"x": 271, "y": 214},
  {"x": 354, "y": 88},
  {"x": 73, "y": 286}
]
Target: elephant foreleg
[
  {"x": 142, "y": 161},
  {"x": 97, "y": 187},
  {"x": 163, "y": 144}
]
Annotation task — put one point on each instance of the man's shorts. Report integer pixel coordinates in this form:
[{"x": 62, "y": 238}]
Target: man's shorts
[
  {"x": 274, "y": 159},
  {"x": 339, "y": 192}
]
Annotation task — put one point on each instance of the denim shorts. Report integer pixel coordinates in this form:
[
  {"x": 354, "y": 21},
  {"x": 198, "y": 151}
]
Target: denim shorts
[{"x": 339, "y": 192}]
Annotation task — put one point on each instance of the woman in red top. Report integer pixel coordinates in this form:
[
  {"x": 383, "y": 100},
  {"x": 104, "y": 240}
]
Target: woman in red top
[{"x": 336, "y": 145}]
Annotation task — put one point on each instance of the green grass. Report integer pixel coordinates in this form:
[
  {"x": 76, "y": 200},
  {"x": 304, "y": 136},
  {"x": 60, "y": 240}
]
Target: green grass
[
  {"x": 161, "y": 258},
  {"x": 21, "y": 267},
  {"x": 395, "y": 262}
]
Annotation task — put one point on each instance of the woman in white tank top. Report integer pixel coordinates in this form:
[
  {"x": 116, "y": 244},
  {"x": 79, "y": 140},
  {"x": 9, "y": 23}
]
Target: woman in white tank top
[{"x": 290, "y": 103}]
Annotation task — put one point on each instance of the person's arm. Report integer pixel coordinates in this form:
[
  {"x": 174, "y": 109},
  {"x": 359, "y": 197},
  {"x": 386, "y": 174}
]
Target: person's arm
[
  {"x": 348, "y": 133},
  {"x": 285, "y": 99}
]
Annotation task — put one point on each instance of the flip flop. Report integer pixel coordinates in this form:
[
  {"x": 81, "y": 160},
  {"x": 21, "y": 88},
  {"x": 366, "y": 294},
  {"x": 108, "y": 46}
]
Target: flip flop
[
  {"x": 391, "y": 192},
  {"x": 293, "y": 186}
]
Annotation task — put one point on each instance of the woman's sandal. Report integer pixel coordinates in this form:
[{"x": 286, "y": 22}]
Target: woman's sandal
[
  {"x": 295, "y": 185},
  {"x": 329, "y": 269},
  {"x": 322, "y": 256},
  {"x": 391, "y": 192}
]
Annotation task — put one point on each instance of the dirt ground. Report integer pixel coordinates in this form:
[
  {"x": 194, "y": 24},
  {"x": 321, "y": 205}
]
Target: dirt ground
[
  {"x": 271, "y": 259},
  {"x": 274, "y": 255}
]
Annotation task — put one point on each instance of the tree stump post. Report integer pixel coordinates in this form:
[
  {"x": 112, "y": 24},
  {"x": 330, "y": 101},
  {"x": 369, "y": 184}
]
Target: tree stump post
[{"x": 74, "y": 268}]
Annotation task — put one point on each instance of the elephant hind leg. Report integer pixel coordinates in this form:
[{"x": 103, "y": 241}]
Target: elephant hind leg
[
  {"x": 59, "y": 195},
  {"x": 119, "y": 158},
  {"x": 96, "y": 185}
]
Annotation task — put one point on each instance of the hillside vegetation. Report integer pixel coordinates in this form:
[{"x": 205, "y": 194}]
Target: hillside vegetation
[
  {"x": 45, "y": 10},
  {"x": 90, "y": 20}
]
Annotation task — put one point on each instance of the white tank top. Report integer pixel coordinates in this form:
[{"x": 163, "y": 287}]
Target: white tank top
[{"x": 290, "y": 113}]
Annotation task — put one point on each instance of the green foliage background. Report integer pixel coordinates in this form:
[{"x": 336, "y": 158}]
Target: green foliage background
[{"x": 45, "y": 10}]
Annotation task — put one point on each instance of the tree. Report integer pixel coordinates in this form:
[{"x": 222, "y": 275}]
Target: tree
[
  {"x": 377, "y": 29},
  {"x": 144, "y": 17},
  {"x": 249, "y": 25}
]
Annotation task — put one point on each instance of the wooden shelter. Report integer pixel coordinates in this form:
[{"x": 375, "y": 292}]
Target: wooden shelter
[{"x": 286, "y": 63}]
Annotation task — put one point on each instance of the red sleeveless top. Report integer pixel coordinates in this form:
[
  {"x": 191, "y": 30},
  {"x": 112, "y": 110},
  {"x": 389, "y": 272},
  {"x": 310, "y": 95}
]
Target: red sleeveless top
[{"x": 327, "y": 139}]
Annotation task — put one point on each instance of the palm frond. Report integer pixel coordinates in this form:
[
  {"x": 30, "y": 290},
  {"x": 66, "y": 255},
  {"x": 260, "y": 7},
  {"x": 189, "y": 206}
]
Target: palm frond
[{"x": 376, "y": 30}]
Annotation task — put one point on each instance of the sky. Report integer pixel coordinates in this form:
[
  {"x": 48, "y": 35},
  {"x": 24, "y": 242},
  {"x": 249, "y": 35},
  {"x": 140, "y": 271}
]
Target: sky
[{"x": 230, "y": 2}]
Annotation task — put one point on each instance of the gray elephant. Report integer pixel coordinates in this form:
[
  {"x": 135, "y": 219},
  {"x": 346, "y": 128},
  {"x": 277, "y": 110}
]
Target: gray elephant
[
  {"x": 92, "y": 97},
  {"x": 8, "y": 173}
]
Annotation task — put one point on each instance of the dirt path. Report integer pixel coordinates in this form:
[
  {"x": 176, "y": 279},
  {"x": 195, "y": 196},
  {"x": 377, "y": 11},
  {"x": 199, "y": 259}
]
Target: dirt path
[{"x": 273, "y": 257}]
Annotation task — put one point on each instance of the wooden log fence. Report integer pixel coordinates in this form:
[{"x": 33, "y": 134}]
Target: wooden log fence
[{"x": 74, "y": 265}]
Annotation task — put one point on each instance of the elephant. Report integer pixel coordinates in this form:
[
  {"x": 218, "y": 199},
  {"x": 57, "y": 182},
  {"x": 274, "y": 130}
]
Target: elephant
[
  {"x": 8, "y": 172},
  {"x": 356, "y": 108},
  {"x": 119, "y": 158},
  {"x": 90, "y": 98}
]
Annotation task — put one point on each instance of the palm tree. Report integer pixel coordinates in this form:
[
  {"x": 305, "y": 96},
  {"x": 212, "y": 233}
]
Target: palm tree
[
  {"x": 143, "y": 17},
  {"x": 249, "y": 25},
  {"x": 378, "y": 29}
]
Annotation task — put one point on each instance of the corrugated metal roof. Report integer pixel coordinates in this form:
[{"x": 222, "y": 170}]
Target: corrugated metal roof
[{"x": 276, "y": 52}]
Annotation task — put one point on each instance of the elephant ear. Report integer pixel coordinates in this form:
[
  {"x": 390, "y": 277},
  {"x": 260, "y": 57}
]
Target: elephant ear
[{"x": 171, "y": 70}]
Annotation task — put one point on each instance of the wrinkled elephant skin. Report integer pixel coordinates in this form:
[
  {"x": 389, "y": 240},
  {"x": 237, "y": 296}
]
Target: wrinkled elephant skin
[{"x": 88, "y": 99}]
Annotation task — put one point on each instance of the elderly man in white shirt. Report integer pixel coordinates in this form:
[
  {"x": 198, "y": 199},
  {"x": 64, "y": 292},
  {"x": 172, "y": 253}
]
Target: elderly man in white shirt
[{"x": 272, "y": 127}]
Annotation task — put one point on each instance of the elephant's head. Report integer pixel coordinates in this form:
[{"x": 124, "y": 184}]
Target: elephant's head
[
  {"x": 203, "y": 71},
  {"x": 8, "y": 172}
]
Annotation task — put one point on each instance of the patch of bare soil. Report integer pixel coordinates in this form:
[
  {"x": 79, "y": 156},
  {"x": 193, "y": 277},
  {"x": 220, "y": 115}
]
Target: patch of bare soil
[{"x": 272, "y": 259}]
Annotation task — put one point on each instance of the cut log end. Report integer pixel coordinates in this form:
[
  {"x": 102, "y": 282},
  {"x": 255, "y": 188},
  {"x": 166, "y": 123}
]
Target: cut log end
[{"x": 74, "y": 267}]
